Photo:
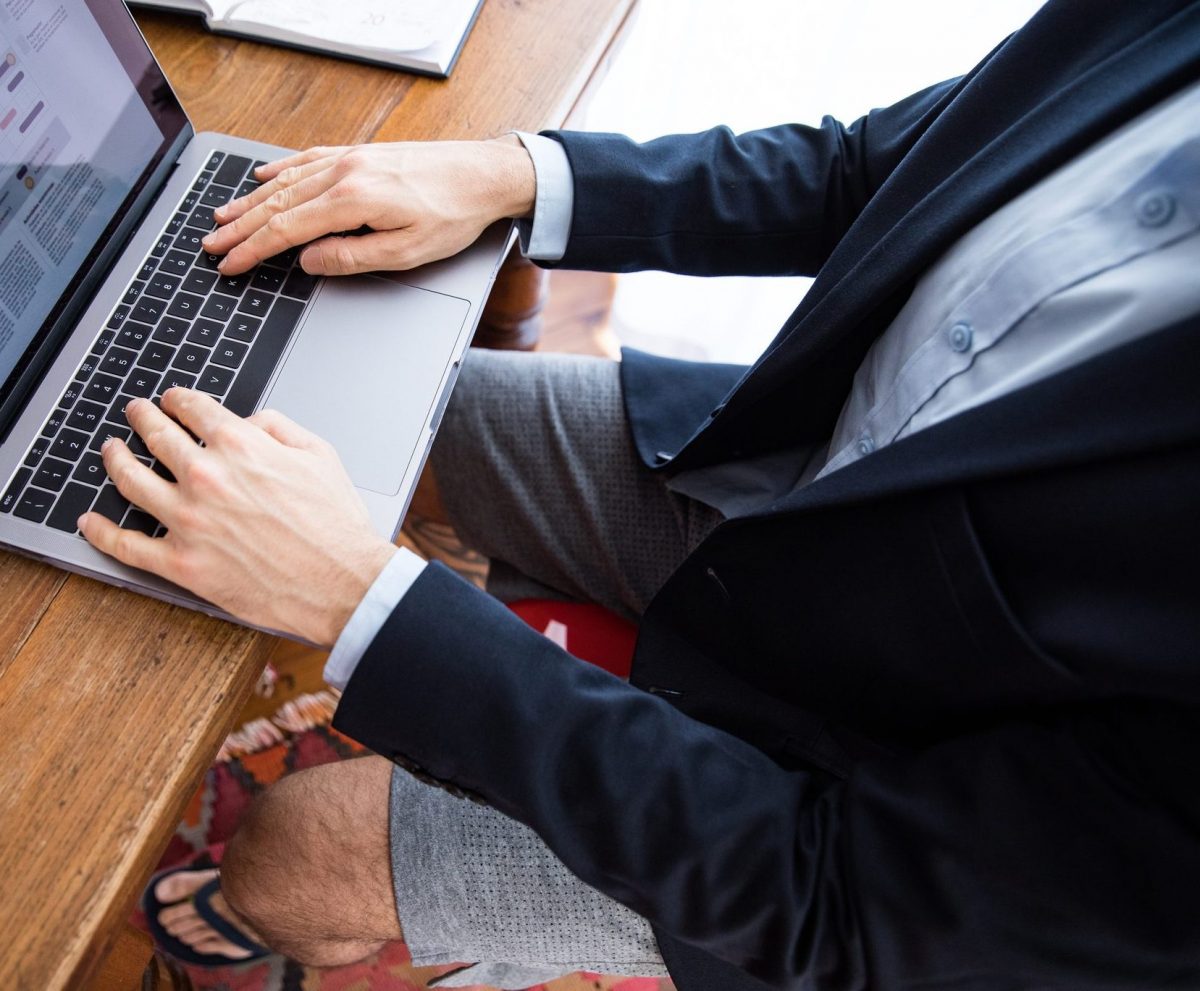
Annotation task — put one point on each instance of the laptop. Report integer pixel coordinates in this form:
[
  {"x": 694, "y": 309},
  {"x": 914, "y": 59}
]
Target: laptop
[{"x": 106, "y": 294}]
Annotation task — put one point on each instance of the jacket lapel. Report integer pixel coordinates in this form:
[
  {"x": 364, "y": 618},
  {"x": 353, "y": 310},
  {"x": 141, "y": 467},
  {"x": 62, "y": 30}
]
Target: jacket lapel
[
  {"x": 806, "y": 372},
  {"x": 1137, "y": 398}
]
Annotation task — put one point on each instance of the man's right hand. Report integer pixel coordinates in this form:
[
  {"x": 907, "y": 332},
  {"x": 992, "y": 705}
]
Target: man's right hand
[{"x": 422, "y": 200}]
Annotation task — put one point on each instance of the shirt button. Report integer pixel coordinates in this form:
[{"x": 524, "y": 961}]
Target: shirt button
[
  {"x": 866, "y": 444},
  {"x": 1155, "y": 209},
  {"x": 960, "y": 336}
]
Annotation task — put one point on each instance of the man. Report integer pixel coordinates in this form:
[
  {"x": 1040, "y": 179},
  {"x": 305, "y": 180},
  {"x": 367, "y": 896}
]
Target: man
[{"x": 915, "y": 695}]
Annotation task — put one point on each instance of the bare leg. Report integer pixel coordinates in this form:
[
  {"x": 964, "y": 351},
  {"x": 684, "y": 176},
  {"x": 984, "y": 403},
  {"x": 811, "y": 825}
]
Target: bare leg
[{"x": 308, "y": 872}]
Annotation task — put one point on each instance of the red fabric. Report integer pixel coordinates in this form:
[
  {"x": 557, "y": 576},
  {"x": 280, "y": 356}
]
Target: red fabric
[{"x": 592, "y": 632}]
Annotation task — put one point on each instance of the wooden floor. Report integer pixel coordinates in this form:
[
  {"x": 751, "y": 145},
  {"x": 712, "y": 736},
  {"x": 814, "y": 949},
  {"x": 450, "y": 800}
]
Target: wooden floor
[{"x": 576, "y": 321}]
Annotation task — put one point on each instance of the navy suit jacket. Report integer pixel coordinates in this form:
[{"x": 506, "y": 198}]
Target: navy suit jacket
[{"x": 934, "y": 720}]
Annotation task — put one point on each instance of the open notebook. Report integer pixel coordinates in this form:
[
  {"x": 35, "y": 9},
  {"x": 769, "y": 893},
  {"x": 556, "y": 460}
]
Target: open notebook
[{"x": 422, "y": 36}]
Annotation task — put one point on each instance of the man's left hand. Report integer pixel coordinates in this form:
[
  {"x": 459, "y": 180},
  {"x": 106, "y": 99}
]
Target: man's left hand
[{"x": 262, "y": 520}]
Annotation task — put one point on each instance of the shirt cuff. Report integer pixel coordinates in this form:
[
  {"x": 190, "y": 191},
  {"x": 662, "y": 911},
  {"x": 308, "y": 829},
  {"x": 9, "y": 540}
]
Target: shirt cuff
[
  {"x": 544, "y": 239},
  {"x": 396, "y": 578}
]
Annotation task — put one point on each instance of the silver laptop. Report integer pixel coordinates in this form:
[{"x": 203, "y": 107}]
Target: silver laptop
[{"x": 106, "y": 294}]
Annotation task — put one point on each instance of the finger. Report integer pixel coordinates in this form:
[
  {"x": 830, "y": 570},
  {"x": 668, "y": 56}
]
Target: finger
[
  {"x": 278, "y": 204},
  {"x": 288, "y": 177},
  {"x": 380, "y": 251},
  {"x": 167, "y": 440},
  {"x": 200, "y": 413},
  {"x": 272, "y": 169},
  {"x": 131, "y": 547},
  {"x": 136, "y": 482},
  {"x": 303, "y": 223},
  {"x": 287, "y": 431}
]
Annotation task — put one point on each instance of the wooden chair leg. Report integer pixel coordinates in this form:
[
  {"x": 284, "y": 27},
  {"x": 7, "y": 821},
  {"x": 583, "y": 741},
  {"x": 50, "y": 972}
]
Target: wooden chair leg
[{"x": 512, "y": 317}]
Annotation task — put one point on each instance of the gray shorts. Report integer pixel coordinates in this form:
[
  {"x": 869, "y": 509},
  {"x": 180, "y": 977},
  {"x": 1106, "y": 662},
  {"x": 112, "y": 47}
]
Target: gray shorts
[{"x": 538, "y": 472}]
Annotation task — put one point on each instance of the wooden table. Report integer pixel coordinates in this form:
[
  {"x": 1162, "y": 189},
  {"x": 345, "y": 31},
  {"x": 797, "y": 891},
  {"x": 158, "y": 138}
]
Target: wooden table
[{"x": 113, "y": 705}]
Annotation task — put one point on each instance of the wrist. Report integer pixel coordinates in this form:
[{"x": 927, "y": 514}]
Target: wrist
[
  {"x": 516, "y": 182},
  {"x": 348, "y": 589}
]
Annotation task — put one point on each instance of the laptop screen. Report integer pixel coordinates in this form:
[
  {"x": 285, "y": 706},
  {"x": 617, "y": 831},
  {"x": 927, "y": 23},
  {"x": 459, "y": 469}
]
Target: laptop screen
[{"x": 85, "y": 116}]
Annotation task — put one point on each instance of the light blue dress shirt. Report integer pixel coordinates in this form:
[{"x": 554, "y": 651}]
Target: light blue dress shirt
[{"x": 1099, "y": 253}]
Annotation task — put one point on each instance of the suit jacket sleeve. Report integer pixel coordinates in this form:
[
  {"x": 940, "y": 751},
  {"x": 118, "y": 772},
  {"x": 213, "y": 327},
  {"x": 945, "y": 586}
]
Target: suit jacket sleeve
[
  {"x": 769, "y": 202},
  {"x": 1020, "y": 851}
]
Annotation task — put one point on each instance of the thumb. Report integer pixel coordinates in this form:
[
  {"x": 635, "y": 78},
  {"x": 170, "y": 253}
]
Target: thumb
[{"x": 378, "y": 251}]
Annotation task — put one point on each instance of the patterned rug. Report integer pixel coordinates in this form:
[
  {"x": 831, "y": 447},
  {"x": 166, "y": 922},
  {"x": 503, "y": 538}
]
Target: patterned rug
[{"x": 296, "y": 737}]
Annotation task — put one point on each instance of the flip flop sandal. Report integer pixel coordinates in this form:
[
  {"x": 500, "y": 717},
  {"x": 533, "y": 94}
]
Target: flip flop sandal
[{"x": 202, "y": 899}]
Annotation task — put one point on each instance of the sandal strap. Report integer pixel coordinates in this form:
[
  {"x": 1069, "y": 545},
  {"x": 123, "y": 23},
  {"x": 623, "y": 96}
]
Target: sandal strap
[{"x": 202, "y": 899}]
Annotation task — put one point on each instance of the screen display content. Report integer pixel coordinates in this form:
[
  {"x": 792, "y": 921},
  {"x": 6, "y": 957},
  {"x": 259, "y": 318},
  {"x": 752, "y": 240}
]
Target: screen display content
[{"x": 84, "y": 116}]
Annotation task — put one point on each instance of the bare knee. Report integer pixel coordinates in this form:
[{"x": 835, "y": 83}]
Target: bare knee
[{"x": 309, "y": 866}]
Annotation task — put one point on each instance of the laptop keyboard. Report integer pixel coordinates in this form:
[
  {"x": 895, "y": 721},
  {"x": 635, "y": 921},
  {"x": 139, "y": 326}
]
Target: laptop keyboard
[{"x": 179, "y": 323}]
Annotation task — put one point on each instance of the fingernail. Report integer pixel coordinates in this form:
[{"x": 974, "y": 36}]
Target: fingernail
[
  {"x": 206, "y": 240},
  {"x": 221, "y": 266},
  {"x": 107, "y": 444},
  {"x": 79, "y": 522}
]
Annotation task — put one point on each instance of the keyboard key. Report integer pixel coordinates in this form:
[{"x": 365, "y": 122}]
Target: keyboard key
[
  {"x": 175, "y": 224},
  {"x": 73, "y": 503},
  {"x": 103, "y": 341},
  {"x": 232, "y": 171},
  {"x": 111, "y": 504},
  {"x": 34, "y": 505},
  {"x": 103, "y": 388},
  {"x": 233, "y": 285},
  {"x": 219, "y": 307},
  {"x": 132, "y": 293},
  {"x": 73, "y": 392},
  {"x": 285, "y": 259},
  {"x": 255, "y": 303},
  {"x": 205, "y": 332},
  {"x": 175, "y": 379},
  {"x": 149, "y": 267},
  {"x": 246, "y": 188},
  {"x": 202, "y": 180},
  {"x": 69, "y": 445},
  {"x": 191, "y": 357},
  {"x": 300, "y": 284},
  {"x": 177, "y": 263},
  {"x": 86, "y": 367},
  {"x": 186, "y": 305},
  {"x": 142, "y": 382},
  {"x": 230, "y": 353},
  {"x": 214, "y": 161},
  {"x": 119, "y": 361},
  {"x": 163, "y": 285},
  {"x": 207, "y": 261},
  {"x": 118, "y": 317},
  {"x": 148, "y": 310},
  {"x": 86, "y": 416},
  {"x": 36, "y": 451},
  {"x": 189, "y": 240},
  {"x": 54, "y": 424},
  {"x": 134, "y": 336},
  {"x": 199, "y": 281},
  {"x": 215, "y": 380},
  {"x": 161, "y": 246},
  {"x": 242, "y": 327},
  {"x": 91, "y": 470},
  {"x": 139, "y": 520},
  {"x": 116, "y": 412},
  {"x": 13, "y": 493},
  {"x": 52, "y": 474},
  {"x": 252, "y": 379},
  {"x": 202, "y": 218},
  {"x": 172, "y": 330},
  {"x": 216, "y": 195},
  {"x": 268, "y": 279},
  {"x": 108, "y": 430},
  {"x": 189, "y": 201},
  {"x": 162, "y": 471},
  {"x": 157, "y": 356},
  {"x": 138, "y": 447}
]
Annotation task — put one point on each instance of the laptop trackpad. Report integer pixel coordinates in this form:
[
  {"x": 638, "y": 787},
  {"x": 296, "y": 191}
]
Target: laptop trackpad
[{"x": 364, "y": 372}]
